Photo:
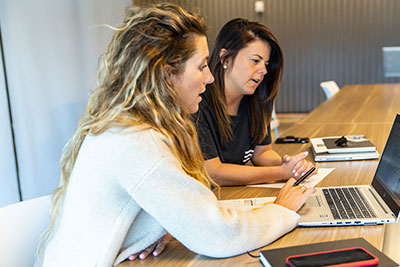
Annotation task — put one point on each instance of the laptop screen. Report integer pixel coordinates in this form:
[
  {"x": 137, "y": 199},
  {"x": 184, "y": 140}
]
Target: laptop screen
[{"x": 387, "y": 177}]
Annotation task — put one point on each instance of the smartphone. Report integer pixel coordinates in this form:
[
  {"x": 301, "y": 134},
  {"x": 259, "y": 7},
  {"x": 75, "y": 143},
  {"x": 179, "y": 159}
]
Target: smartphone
[
  {"x": 355, "y": 256},
  {"x": 291, "y": 139}
]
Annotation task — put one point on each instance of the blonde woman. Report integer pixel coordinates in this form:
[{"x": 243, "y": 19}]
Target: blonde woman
[{"x": 133, "y": 171}]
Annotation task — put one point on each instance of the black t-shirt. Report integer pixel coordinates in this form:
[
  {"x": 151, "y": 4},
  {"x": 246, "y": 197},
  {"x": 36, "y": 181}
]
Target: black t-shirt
[{"x": 240, "y": 149}]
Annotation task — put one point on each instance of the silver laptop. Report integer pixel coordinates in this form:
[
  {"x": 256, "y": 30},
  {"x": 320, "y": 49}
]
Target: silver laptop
[
  {"x": 345, "y": 156},
  {"x": 377, "y": 203}
]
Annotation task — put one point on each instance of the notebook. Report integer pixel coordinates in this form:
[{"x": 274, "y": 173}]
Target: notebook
[
  {"x": 276, "y": 257},
  {"x": 343, "y": 144},
  {"x": 377, "y": 203},
  {"x": 337, "y": 148}
]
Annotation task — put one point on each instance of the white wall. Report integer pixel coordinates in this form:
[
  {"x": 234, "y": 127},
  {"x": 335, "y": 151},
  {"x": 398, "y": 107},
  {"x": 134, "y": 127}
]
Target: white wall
[
  {"x": 8, "y": 176},
  {"x": 51, "y": 52}
]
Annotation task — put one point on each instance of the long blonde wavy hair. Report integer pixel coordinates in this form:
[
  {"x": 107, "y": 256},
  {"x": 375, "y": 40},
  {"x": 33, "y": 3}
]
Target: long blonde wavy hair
[{"x": 133, "y": 90}]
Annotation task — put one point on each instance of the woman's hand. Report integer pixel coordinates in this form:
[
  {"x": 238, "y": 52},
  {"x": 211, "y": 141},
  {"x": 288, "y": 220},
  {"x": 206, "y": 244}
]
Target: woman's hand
[
  {"x": 156, "y": 248},
  {"x": 297, "y": 165},
  {"x": 293, "y": 197}
]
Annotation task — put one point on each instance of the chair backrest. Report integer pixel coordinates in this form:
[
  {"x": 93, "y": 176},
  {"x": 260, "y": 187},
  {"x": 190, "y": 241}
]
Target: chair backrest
[
  {"x": 274, "y": 122},
  {"x": 21, "y": 225},
  {"x": 330, "y": 88}
]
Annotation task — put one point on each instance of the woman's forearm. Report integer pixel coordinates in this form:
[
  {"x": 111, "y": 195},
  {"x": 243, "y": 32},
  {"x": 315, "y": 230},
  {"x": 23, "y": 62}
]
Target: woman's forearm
[
  {"x": 233, "y": 174},
  {"x": 267, "y": 158}
]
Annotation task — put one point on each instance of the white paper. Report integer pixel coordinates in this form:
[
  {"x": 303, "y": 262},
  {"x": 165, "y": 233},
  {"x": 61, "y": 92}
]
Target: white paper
[
  {"x": 310, "y": 182},
  {"x": 246, "y": 203}
]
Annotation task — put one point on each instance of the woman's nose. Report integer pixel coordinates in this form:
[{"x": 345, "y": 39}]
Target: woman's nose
[
  {"x": 209, "y": 77},
  {"x": 263, "y": 70}
]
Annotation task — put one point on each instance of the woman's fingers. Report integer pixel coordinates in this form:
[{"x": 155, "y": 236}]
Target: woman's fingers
[
  {"x": 299, "y": 168},
  {"x": 147, "y": 251},
  {"x": 156, "y": 248},
  {"x": 143, "y": 254},
  {"x": 307, "y": 165},
  {"x": 293, "y": 197},
  {"x": 160, "y": 246},
  {"x": 133, "y": 257},
  {"x": 296, "y": 161},
  {"x": 302, "y": 167}
]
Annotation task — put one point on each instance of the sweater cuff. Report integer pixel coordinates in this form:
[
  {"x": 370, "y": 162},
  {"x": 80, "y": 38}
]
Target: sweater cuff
[{"x": 286, "y": 210}]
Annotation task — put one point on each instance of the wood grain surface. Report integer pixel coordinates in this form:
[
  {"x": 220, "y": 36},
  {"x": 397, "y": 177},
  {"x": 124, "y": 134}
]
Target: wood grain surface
[{"x": 357, "y": 109}]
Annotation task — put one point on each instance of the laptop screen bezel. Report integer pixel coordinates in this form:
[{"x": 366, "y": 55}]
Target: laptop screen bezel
[{"x": 379, "y": 187}]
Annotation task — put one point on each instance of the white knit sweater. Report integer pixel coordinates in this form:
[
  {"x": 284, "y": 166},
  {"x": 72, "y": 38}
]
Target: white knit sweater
[{"x": 127, "y": 190}]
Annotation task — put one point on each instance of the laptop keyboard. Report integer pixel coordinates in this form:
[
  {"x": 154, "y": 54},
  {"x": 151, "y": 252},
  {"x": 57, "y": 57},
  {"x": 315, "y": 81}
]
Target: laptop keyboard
[{"x": 348, "y": 203}]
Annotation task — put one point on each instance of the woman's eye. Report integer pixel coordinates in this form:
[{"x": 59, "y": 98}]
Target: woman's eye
[
  {"x": 256, "y": 61},
  {"x": 203, "y": 67}
]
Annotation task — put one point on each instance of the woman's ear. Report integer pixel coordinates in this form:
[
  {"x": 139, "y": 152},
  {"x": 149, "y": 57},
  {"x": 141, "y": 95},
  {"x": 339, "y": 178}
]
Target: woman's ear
[
  {"x": 169, "y": 75},
  {"x": 223, "y": 53},
  {"x": 224, "y": 58},
  {"x": 168, "y": 70}
]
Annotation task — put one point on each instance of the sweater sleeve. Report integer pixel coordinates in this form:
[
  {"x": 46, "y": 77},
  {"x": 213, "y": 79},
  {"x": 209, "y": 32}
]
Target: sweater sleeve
[{"x": 189, "y": 211}]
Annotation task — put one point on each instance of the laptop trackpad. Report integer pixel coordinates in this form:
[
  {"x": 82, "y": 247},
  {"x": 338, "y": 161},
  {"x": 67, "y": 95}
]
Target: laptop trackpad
[{"x": 313, "y": 201}]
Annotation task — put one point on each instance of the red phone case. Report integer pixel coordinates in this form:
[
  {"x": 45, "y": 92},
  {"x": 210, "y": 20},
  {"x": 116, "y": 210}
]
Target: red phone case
[{"x": 371, "y": 262}]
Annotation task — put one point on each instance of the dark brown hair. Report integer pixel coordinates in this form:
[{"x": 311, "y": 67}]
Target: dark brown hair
[{"x": 234, "y": 36}]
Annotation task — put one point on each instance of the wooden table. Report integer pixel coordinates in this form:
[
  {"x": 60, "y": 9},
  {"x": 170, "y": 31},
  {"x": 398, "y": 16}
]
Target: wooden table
[
  {"x": 372, "y": 103},
  {"x": 356, "y": 109}
]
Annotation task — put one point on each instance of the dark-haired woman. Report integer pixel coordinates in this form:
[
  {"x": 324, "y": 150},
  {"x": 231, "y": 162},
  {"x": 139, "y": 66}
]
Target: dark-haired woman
[{"x": 234, "y": 116}]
